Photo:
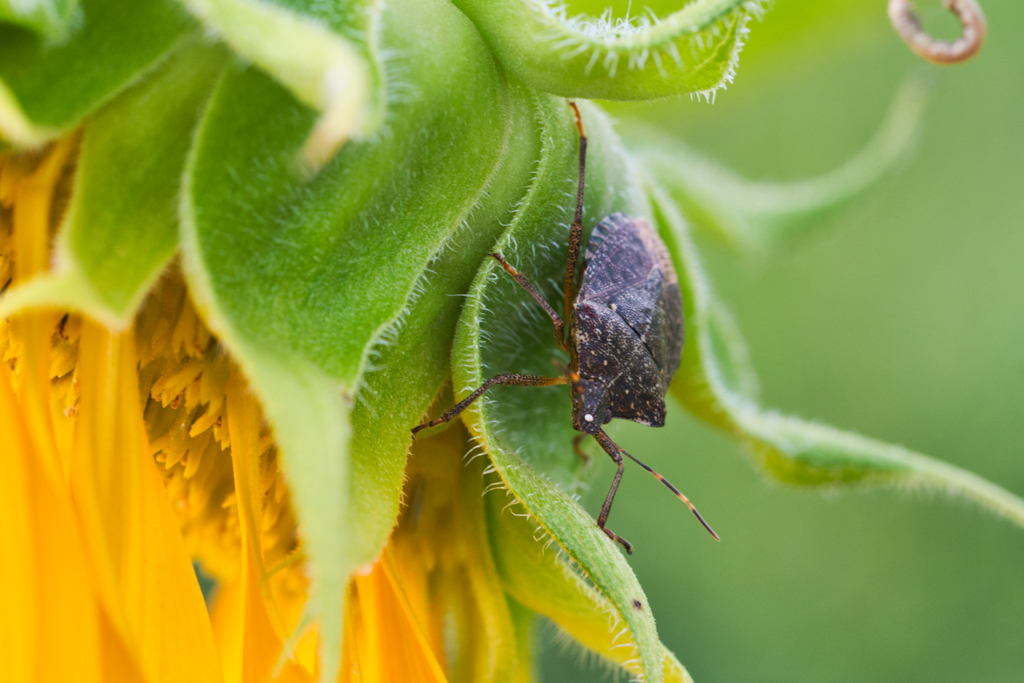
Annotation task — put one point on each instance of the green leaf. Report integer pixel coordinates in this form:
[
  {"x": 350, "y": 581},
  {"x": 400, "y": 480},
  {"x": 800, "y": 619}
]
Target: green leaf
[
  {"x": 693, "y": 50},
  {"x": 542, "y": 581},
  {"x": 709, "y": 383},
  {"x": 326, "y": 54},
  {"x": 527, "y": 431},
  {"x": 121, "y": 227},
  {"x": 758, "y": 216},
  {"x": 46, "y": 90},
  {"x": 411, "y": 360},
  {"x": 312, "y": 273},
  {"x": 51, "y": 19}
]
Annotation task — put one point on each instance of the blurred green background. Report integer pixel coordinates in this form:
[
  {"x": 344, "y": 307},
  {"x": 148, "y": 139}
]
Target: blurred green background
[{"x": 903, "y": 321}]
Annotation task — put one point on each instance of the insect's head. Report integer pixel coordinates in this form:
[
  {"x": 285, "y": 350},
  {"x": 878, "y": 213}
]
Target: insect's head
[{"x": 589, "y": 404}]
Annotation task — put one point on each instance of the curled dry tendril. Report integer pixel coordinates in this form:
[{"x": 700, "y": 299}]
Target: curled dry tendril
[{"x": 908, "y": 26}]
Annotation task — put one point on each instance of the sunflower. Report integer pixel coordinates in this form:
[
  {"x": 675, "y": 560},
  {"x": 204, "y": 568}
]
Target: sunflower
[
  {"x": 242, "y": 253},
  {"x": 135, "y": 452}
]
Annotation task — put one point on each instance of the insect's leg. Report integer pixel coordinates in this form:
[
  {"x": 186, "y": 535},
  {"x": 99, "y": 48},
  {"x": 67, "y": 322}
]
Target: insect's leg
[
  {"x": 576, "y": 231},
  {"x": 576, "y": 447},
  {"x": 660, "y": 478},
  {"x": 507, "y": 379},
  {"x": 528, "y": 286},
  {"x": 616, "y": 453}
]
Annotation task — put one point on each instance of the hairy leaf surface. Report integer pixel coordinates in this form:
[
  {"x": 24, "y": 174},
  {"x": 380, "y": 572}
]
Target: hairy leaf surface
[
  {"x": 121, "y": 227},
  {"x": 693, "y": 50},
  {"x": 412, "y": 360},
  {"x": 541, "y": 580},
  {"x": 326, "y": 54},
  {"x": 46, "y": 90}
]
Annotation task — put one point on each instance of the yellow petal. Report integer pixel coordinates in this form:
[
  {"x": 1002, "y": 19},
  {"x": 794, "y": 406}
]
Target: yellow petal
[
  {"x": 119, "y": 663},
  {"x": 262, "y": 630},
  {"x": 226, "y": 616},
  {"x": 387, "y": 642},
  {"x": 143, "y": 572},
  {"x": 49, "y": 622},
  {"x": 32, "y": 200}
]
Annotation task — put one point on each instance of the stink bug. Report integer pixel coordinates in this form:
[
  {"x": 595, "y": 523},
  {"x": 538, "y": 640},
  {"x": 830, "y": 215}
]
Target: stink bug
[{"x": 625, "y": 336}]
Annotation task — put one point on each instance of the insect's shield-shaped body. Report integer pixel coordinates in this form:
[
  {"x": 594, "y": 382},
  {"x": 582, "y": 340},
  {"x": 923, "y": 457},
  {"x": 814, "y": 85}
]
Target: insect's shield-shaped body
[{"x": 627, "y": 326}]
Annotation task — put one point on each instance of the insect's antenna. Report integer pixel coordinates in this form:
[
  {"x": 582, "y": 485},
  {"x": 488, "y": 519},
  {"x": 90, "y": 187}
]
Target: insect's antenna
[{"x": 679, "y": 495}]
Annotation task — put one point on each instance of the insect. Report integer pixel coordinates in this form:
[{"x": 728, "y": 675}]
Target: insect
[{"x": 625, "y": 336}]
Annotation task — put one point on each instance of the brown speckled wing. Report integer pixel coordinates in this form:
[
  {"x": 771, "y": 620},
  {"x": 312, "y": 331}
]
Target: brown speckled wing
[{"x": 629, "y": 272}]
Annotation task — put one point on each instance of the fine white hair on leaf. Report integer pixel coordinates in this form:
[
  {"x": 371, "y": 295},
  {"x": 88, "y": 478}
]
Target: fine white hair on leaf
[
  {"x": 586, "y": 658},
  {"x": 619, "y": 646},
  {"x": 495, "y": 486},
  {"x": 570, "y": 37},
  {"x": 470, "y": 457},
  {"x": 364, "y": 397}
]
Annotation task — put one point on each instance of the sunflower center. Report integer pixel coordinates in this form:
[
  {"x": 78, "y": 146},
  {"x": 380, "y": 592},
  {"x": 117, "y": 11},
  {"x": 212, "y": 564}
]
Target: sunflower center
[{"x": 182, "y": 375}]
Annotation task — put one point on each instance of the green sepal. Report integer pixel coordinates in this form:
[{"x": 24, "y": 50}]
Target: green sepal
[
  {"x": 47, "y": 90},
  {"x": 378, "y": 213},
  {"x": 713, "y": 382},
  {"x": 412, "y": 359},
  {"x": 121, "y": 227},
  {"x": 527, "y": 432},
  {"x": 326, "y": 54},
  {"x": 693, "y": 50},
  {"x": 542, "y": 580},
  {"x": 50, "y": 19},
  {"x": 314, "y": 273},
  {"x": 756, "y": 217}
]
